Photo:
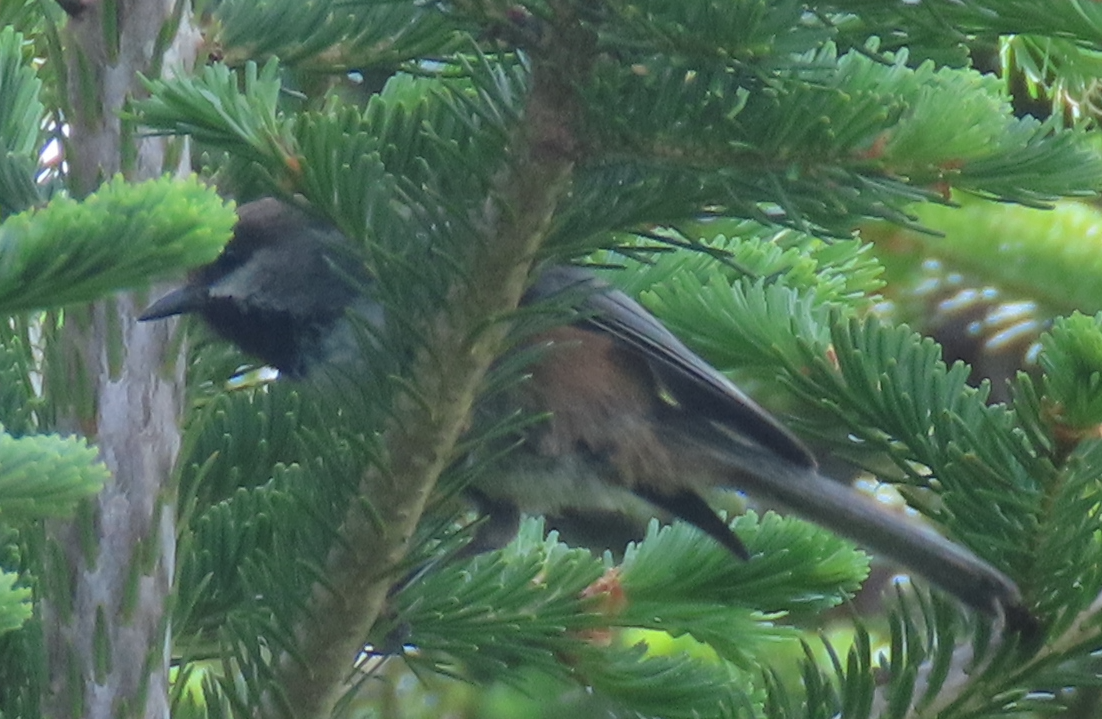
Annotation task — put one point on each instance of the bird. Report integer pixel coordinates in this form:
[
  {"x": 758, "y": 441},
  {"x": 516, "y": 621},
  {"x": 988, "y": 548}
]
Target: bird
[{"x": 629, "y": 413}]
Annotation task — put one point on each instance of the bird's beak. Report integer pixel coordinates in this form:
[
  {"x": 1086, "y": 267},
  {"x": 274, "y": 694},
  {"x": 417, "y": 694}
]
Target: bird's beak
[{"x": 181, "y": 301}]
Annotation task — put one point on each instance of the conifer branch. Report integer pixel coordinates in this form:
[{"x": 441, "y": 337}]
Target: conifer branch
[{"x": 421, "y": 438}]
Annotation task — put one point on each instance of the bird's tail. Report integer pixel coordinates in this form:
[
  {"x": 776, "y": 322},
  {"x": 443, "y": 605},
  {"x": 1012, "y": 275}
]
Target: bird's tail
[{"x": 852, "y": 514}]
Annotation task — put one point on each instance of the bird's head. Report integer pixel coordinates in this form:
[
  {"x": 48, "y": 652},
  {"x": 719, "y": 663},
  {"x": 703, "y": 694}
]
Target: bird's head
[{"x": 280, "y": 290}]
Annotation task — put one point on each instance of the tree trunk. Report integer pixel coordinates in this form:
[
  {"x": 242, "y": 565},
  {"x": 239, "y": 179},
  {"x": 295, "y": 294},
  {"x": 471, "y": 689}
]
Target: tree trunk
[{"x": 111, "y": 568}]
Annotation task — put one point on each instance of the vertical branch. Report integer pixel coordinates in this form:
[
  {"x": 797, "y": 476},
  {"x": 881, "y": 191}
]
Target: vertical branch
[
  {"x": 513, "y": 223},
  {"x": 111, "y": 568}
]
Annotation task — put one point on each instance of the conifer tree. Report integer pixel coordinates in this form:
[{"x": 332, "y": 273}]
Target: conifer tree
[{"x": 798, "y": 190}]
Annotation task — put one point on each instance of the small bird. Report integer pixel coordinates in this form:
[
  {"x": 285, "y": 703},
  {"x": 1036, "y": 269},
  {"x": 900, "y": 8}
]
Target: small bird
[{"x": 631, "y": 413}]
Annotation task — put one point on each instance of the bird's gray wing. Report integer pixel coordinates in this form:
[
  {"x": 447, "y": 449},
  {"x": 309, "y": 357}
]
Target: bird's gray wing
[{"x": 694, "y": 384}]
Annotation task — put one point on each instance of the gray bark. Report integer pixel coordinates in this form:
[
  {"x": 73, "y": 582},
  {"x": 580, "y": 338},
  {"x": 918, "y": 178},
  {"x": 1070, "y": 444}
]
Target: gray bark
[{"x": 111, "y": 568}]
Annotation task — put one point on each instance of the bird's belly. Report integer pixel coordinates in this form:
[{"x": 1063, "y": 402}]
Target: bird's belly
[{"x": 546, "y": 485}]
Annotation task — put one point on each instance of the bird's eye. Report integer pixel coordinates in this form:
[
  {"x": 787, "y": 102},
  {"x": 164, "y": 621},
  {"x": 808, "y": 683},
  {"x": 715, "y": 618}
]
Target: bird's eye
[{"x": 231, "y": 258}]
